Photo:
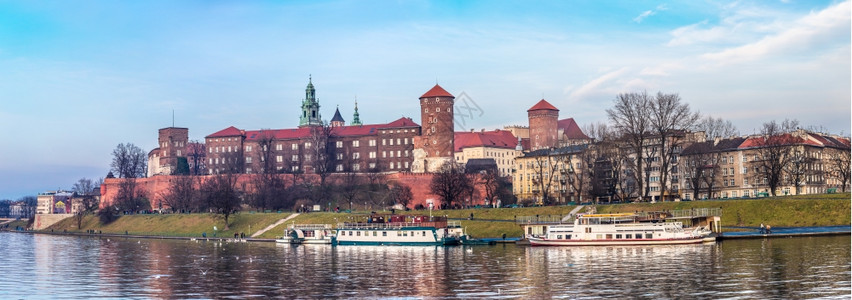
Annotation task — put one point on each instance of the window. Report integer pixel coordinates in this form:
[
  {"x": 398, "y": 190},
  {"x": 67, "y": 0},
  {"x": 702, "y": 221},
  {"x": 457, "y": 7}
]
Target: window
[
  {"x": 356, "y": 143},
  {"x": 372, "y": 143},
  {"x": 279, "y": 158},
  {"x": 372, "y": 165},
  {"x": 398, "y": 141},
  {"x": 294, "y": 168},
  {"x": 406, "y": 141},
  {"x": 398, "y": 153},
  {"x": 390, "y": 142},
  {"x": 339, "y": 144},
  {"x": 391, "y": 165},
  {"x": 339, "y": 168},
  {"x": 308, "y": 145},
  {"x": 384, "y": 154},
  {"x": 248, "y": 149},
  {"x": 294, "y": 147},
  {"x": 339, "y": 156},
  {"x": 356, "y": 167},
  {"x": 307, "y": 157},
  {"x": 391, "y": 154},
  {"x": 248, "y": 170},
  {"x": 745, "y": 181},
  {"x": 384, "y": 142},
  {"x": 248, "y": 159},
  {"x": 406, "y": 165},
  {"x": 356, "y": 155},
  {"x": 295, "y": 157},
  {"x": 372, "y": 154}
]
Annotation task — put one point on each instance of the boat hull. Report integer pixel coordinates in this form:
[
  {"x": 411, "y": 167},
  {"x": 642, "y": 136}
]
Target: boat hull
[{"x": 635, "y": 242}]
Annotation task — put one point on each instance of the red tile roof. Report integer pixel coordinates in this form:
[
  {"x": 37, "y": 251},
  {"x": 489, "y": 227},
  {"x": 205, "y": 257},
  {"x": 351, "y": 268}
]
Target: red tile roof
[
  {"x": 543, "y": 105},
  {"x": 230, "y": 131},
  {"x": 570, "y": 129},
  {"x": 495, "y": 139},
  {"x": 437, "y": 91}
]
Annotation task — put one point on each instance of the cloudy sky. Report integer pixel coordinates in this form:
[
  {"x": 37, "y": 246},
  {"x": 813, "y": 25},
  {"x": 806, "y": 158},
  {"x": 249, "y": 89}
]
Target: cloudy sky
[{"x": 79, "y": 77}]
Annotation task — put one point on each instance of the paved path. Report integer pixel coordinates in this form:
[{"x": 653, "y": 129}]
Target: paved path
[
  {"x": 573, "y": 212},
  {"x": 268, "y": 228}
]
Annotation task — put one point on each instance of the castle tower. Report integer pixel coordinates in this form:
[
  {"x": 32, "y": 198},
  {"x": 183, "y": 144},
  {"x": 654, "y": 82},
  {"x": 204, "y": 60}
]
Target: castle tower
[
  {"x": 310, "y": 107},
  {"x": 173, "y": 142},
  {"x": 337, "y": 120},
  {"x": 543, "y": 119},
  {"x": 356, "y": 118},
  {"x": 437, "y": 129}
]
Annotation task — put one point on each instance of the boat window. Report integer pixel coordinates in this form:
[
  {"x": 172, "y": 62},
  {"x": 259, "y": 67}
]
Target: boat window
[
  {"x": 609, "y": 236},
  {"x": 559, "y": 237},
  {"x": 358, "y": 233},
  {"x": 649, "y": 235},
  {"x": 599, "y": 236},
  {"x": 384, "y": 233},
  {"x": 350, "y": 233},
  {"x": 638, "y": 236},
  {"x": 568, "y": 236},
  {"x": 628, "y": 236},
  {"x": 424, "y": 233},
  {"x": 375, "y": 233},
  {"x": 618, "y": 236}
]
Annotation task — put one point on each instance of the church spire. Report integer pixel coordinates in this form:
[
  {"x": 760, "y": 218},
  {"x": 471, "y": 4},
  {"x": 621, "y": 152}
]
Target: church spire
[
  {"x": 310, "y": 107},
  {"x": 356, "y": 120}
]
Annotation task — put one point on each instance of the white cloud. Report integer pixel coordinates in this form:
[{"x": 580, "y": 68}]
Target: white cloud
[
  {"x": 594, "y": 86},
  {"x": 648, "y": 13},
  {"x": 812, "y": 31}
]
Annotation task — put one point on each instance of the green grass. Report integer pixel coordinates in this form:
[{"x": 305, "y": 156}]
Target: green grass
[
  {"x": 807, "y": 210},
  {"x": 175, "y": 224}
]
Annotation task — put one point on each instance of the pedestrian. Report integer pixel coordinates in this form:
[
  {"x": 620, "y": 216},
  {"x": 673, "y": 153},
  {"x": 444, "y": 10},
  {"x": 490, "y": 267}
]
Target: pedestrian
[{"x": 762, "y": 229}]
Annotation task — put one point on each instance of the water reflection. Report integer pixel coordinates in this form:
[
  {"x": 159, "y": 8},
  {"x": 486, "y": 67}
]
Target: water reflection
[{"x": 44, "y": 266}]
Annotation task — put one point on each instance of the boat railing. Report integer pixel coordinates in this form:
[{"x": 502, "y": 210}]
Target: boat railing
[
  {"x": 697, "y": 212},
  {"x": 547, "y": 219},
  {"x": 392, "y": 225},
  {"x": 309, "y": 226}
]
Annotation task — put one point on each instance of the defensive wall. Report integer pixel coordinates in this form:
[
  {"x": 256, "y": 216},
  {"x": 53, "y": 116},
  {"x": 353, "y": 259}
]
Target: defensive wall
[{"x": 156, "y": 186}]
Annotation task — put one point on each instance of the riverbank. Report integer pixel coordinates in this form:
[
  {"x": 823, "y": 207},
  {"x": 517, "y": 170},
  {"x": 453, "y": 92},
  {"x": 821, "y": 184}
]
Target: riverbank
[{"x": 789, "y": 211}]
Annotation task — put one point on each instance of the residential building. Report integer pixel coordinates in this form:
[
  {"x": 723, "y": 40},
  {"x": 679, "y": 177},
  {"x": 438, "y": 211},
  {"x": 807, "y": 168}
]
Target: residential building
[{"x": 499, "y": 145}]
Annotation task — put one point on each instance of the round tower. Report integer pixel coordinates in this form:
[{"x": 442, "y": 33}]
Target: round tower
[
  {"x": 543, "y": 119},
  {"x": 437, "y": 128}
]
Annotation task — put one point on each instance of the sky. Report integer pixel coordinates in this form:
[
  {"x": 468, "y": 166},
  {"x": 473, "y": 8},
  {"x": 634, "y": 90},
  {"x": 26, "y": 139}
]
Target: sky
[{"x": 79, "y": 77}]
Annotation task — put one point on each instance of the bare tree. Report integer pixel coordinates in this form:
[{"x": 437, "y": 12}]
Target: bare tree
[
  {"x": 88, "y": 205},
  {"x": 449, "y": 183},
  {"x": 700, "y": 167},
  {"x": 399, "y": 194},
  {"x": 221, "y": 195},
  {"x": 196, "y": 152},
  {"x": 129, "y": 161},
  {"x": 670, "y": 117},
  {"x": 800, "y": 168},
  {"x": 350, "y": 183},
  {"x": 545, "y": 166},
  {"x": 30, "y": 205},
  {"x": 323, "y": 156},
  {"x": 488, "y": 178},
  {"x": 839, "y": 167},
  {"x": 773, "y": 148},
  {"x": 84, "y": 186},
  {"x": 130, "y": 198},
  {"x": 717, "y": 128},
  {"x": 630, "y": 116},
  {"x": 182, "y": 195}
]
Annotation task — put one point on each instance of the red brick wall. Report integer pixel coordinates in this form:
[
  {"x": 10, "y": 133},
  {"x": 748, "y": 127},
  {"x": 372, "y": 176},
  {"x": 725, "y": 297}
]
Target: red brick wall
[
  {"x": 436, "y": 123},
  {"x": 155, "y": 186}
]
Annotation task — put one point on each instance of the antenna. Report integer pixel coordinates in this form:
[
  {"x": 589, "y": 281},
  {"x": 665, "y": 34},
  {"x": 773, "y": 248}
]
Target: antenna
[{"x": 173, "y": 117}]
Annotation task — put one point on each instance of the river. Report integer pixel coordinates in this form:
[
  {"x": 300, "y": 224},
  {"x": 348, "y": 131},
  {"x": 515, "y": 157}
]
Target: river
[{"x": 38, "y": 266}]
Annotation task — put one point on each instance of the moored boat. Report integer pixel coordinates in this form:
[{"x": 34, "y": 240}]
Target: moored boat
[
  {"x": 624, "y": 229},
  {"x": 308, "y": 234},
  {"x": 401, "y": 230}
]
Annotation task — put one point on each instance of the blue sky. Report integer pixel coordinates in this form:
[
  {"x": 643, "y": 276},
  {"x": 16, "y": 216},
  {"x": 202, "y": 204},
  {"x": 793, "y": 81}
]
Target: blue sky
[{"x": 79, "y": 77}]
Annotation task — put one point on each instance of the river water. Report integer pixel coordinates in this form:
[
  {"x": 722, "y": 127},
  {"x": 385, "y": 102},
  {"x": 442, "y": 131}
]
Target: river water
[{"x": 46, "y": 266}]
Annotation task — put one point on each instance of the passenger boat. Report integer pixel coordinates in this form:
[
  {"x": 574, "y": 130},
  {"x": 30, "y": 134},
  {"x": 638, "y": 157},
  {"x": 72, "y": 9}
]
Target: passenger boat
[
  {"x": 622, "y": 229},
  {"x": 401, "y": 230},
  {"x": 308, "y": 234}
]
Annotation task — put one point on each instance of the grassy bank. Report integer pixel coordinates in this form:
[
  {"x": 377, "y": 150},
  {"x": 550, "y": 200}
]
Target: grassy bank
[{"x": 808, "y": 210}]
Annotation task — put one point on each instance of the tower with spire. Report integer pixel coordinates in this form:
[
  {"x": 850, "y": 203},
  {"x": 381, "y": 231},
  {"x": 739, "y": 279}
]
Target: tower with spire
[
  {"x": 356, "y": 118},
  {"x": 337, "y": 120},
  {"x": 310, "y": 107}
]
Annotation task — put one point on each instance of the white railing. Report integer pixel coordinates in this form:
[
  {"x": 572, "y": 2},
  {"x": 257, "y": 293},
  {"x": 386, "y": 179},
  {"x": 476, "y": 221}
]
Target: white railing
[
  {"x": 309, "y": 226},
  {"x": 394, "y": 225}
]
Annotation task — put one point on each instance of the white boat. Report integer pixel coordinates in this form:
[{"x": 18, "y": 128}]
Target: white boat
[
  {"x": 307, "y": 234},
  {"x": 401, "y": 230},
  {"x": 620, "y": 229}
]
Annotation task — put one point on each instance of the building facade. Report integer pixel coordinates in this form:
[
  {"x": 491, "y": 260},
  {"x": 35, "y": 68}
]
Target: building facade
[{"x": 498, "y": 145}]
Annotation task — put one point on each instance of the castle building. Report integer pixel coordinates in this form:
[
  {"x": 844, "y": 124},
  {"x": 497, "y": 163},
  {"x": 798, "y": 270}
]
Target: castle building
[
  {"x": 435, "y": 145},
  {"x": 543, "y": 119},
  {"x": 355, "y": 148},
  {"x": 164, "y": 160},
  {"x": 501, "y": 146}
]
